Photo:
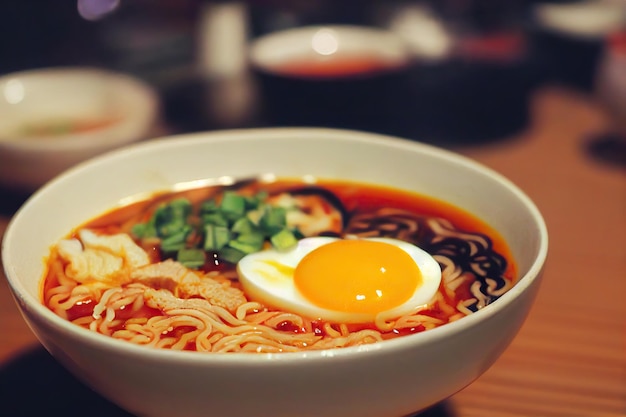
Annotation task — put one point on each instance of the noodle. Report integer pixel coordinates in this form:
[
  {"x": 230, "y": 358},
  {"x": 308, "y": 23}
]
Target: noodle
[{"x": 151, "y": 313}]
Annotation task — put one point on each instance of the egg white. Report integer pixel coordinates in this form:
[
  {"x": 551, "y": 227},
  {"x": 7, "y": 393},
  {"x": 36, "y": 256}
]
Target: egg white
[{"x": 268, "y": 277}]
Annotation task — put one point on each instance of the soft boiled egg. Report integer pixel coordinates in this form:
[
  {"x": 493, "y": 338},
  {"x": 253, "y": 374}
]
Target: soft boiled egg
[{"x": 343, "y": 280}]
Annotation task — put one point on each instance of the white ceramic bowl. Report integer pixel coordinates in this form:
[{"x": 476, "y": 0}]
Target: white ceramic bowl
[
  {"x": 53, "y": 118},
  {"x": 388, "y": 379}
]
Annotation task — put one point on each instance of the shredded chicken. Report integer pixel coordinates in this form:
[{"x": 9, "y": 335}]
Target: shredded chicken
[
  {"x": 101, "y": 258},
  {"x": 165, "y": 300},
  {"x": 97, "y": 260},
  {"x": 167, "y": 275},
  {"x": 186, "y": 283}
]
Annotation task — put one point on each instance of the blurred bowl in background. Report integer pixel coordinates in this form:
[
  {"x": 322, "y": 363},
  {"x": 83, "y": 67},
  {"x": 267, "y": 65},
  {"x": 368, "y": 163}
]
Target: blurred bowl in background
[
  {"x": 343, "y": 76},
  {"x": 54, "y": 118},
  {"x": 375, "y": 80}
]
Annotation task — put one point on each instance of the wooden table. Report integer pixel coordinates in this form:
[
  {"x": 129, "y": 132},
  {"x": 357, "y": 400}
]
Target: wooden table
[{"x": 569, "y": 359}]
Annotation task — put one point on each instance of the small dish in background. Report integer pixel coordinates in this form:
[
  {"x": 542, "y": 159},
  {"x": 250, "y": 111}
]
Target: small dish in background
[
  {"x": 56, "y": 117},
  {"x": 331, "y": 76}
]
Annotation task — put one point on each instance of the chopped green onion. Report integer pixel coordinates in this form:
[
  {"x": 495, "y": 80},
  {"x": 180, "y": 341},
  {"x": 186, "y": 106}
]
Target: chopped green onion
[
  {"x": 254, "y": 237},
  {"x": 255, "y": 201},
  {"x": 181, "y": 207},
  {"x": 273, "y": 220},
  {"x": 233, "y": 205},
  {"x": 217, "y": 219},
  {"x": 173, "y": 228},
  {"x": 244, "y": 247},
  {"x": 244, "y": 225},
  {"x": 231, "y": 226},
  {"x": 175, "y": 241},
  {"x": 216, "y": 237},
  {"x": 285, "y": 239},
  {"x": 191, "y": 258},
  {"x": 144, "y": 230},
  {"x": 230, "y": 254},
  {"x": 170, "y": 218},
  {"x": 248, "y": 243},
  {"x": 208, "y": 206}
]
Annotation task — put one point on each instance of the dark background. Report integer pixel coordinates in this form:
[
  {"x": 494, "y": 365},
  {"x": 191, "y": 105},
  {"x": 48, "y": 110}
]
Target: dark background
[{"x": 477, "y": 94}]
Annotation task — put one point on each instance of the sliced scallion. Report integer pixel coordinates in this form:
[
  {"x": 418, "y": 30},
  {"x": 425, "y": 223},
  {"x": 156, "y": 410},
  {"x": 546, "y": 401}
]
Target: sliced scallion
[
  {"x": 273, "y": 220},
  {"x": 230, "y": 254},
  {"x": 216, "y": 237},
  {"x": 191, "y": 258},
  {"x": 283, "y": 240}
]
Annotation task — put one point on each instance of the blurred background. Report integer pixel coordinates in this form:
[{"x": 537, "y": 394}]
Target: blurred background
[
  {"x": 467, "y": 79},
  {"x": 473, "y": 64}
]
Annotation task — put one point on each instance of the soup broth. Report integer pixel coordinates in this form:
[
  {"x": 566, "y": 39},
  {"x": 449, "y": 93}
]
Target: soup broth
[{"x": 162, "y": 271}]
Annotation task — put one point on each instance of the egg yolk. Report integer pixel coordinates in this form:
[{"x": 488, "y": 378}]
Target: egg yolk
[{"x": 357, "y": 276}]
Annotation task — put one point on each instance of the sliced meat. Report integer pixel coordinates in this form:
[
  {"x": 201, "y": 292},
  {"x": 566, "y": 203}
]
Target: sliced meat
[{"x": 185, "y": 283}]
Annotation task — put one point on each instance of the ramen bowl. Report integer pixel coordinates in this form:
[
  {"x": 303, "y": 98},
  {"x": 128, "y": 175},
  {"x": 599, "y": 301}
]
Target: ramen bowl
[
  {"x": 53, "y": 118},
  {"x": 390, "y": 378}
]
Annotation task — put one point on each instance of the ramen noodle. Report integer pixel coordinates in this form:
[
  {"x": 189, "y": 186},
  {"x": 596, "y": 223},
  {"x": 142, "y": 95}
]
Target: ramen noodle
[{"x": 163, "y": 271}]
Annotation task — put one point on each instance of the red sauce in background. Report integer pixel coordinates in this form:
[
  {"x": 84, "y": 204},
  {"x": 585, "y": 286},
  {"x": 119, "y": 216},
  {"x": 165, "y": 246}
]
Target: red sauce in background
[
  {"x": 336, "y": 67},
  {"x": 67, "y": 126}
]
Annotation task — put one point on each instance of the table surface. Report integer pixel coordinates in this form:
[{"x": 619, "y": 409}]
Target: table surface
[{"x": 569, "y": 358}]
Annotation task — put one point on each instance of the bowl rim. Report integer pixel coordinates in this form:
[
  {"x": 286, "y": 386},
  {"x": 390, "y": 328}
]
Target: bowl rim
[
  {"x": 385, "y": 347},
  {"x": 108, "y": 136}
]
